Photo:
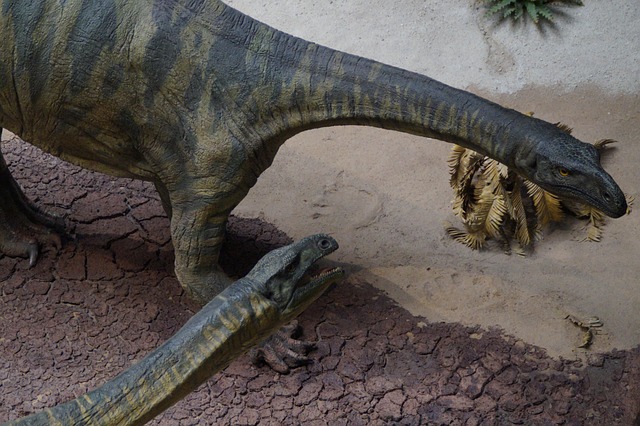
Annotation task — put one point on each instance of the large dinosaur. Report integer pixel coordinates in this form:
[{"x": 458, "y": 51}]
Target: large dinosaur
[
  {"x": 198, "y": 97},
  {"x": 276, "y": 290}
]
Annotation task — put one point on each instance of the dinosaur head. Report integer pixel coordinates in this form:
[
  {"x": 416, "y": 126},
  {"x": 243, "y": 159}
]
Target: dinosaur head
[
  {"x": 571, "y": 169},
  {"x": 285, "y": 277}
]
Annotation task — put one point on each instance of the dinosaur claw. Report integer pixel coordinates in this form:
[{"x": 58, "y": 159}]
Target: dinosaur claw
[
  {"x": 22, "y": 232},
  {"x": 33, "y": 254},
  {"x": 266, "y": 354},
  {"x": 282, "y": 351}
]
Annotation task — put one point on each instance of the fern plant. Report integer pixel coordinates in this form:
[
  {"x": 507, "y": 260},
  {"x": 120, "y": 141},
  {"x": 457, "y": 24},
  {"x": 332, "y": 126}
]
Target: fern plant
[
  {"x": 495, "y": 203},
  {"x": 535, "y": 9}
]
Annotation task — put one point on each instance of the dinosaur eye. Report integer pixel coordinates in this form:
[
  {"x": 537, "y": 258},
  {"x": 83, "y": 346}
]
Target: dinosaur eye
[
  {"x": 564, "y": 172},
  {"x": 324, "y": 244}
]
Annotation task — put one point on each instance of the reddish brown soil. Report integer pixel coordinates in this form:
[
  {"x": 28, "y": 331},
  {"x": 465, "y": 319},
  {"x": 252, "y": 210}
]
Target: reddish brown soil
[{"x": 86, "y": 313}]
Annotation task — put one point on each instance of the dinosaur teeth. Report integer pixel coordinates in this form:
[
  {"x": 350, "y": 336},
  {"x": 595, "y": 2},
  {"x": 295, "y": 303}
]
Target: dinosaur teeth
[{"x": 320, "y": 274}]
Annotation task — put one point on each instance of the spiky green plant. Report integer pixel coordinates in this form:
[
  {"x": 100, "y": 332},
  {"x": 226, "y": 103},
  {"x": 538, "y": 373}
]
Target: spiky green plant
[{"x": 535, "y": 9}]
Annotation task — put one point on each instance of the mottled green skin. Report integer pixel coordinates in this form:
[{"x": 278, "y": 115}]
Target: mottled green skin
[
  {"x": 273, "y": 293},
  {"x": 197, "y": 98}
]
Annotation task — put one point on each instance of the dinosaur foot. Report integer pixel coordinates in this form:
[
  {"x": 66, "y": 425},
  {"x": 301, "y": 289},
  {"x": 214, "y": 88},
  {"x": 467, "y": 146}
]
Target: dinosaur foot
[
  {"x": 282, "y": 351},
  {"x": 23, "y": 226}
]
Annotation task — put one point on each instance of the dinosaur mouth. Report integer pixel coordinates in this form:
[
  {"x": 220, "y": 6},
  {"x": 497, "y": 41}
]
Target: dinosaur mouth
[
  {"x": 311, "y": 286},
  {"x": 319, "y": 276},
  {"x": 587, "y": 198}
]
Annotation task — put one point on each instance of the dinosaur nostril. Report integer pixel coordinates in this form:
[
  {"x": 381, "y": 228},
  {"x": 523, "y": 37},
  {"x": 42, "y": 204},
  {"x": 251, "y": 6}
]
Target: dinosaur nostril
[{"x": 606, "y": 196}]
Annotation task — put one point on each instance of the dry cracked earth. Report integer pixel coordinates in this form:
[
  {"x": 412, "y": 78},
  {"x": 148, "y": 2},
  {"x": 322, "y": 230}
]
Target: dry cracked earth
[{"x": 85, "y": 313}]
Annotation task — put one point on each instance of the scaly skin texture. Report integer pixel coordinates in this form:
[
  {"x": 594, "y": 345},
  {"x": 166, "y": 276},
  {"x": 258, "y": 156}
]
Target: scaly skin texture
[
  {"x": 197, "y": 97},
  {"x": 274, "y": 292}
]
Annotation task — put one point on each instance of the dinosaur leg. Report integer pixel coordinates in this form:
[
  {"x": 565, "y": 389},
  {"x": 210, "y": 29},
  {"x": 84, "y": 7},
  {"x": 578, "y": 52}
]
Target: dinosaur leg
[
  {"x": 23, "y": 227},
  {"x": 197, "y": 231},
  {"x": 164, "y": 198}
]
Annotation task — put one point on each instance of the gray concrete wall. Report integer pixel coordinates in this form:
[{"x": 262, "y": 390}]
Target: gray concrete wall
[{"x": 452, "y": 41}]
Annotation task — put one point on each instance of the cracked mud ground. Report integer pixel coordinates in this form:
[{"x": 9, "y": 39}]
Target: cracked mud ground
[{"x": 82, "y": 315}]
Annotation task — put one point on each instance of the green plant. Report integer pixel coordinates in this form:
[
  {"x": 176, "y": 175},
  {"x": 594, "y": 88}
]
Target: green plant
[{"x": 536, "y": 9}]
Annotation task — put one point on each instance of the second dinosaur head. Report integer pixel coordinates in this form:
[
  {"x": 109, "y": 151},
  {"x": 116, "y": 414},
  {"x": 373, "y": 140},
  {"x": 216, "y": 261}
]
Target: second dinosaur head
[{"x": 285, "y": 277}]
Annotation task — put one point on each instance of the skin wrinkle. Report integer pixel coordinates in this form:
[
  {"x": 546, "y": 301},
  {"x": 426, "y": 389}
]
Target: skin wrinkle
[{"x": 21, "y": 114}]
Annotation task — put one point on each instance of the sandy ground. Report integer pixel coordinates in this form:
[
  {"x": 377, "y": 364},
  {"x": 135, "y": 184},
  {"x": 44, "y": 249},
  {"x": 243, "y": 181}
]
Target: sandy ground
[
  {"x": 84, "y": 314},
  {"x": 385, "y": 195}
]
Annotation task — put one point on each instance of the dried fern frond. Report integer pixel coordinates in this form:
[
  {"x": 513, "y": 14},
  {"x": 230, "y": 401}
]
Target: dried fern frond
[
  {"x": 521, "y": 251},
  {"x": 495, "y": 172},
  {"x": 462, "y": 204},
  {"x": 596, "y": 219},
  {"x": 490, "y": 214},
  {"x": 496, "y": 203},
  {"x": 547, "y": 206},
  {"x": 595, "y": 225},
  {"x": 463, "y": 165},
  {"x": 474, "y": 240},
  {"x": 602, "y": 143},
  {"x": 454, "y": 161},
  {"x": 492, "y": 198},
  {"x": 565, "y": 128},
  {"x": 519, "y": 216},
  {"x": 578, "y": 209},
  {"x": 630, "y": 200}
]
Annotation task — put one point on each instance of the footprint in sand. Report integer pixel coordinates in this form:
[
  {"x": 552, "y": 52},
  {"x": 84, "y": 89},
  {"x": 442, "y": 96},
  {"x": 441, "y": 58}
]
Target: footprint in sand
[{"x": 347, "y": 205}]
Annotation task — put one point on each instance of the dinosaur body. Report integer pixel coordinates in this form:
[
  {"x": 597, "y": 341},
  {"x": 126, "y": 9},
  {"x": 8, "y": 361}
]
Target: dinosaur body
[
  {"x": 198, "y": 97},
  {"x": 276, "y": 290}
]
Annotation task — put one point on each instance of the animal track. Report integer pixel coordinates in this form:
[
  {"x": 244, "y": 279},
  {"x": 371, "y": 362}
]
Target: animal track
[{"x": 349, "y": 206}]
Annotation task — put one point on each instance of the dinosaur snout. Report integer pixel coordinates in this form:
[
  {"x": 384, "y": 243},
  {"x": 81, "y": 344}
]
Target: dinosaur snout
[
  {"x": 613, "y": 200},
  {"x": 618, "y": 205}
]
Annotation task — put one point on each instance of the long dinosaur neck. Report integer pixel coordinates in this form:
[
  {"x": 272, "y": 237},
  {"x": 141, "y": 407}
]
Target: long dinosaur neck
[
  {"x": 209, "y": 341},
  {"x": 302, "y": 85}
]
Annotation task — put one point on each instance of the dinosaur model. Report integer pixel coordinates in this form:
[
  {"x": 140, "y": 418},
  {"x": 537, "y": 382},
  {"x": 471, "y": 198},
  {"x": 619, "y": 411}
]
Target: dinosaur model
[
  {"x": 276, "y": 290},
  {"x": 197, "y": 98}
]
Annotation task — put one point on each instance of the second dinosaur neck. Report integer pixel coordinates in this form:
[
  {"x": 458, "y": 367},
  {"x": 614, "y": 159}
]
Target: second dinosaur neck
[{"x": 212, "y": 338}]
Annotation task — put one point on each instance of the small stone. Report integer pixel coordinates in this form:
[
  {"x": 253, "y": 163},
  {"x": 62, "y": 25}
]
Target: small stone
[{"x": 595, "y": 360}]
